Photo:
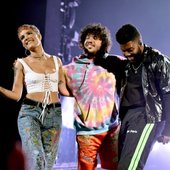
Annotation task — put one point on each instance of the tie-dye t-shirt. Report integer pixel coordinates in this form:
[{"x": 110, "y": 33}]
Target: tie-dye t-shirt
[{"x": 93, "y": 88}]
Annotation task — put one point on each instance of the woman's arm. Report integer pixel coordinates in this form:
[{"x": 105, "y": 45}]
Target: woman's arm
[
  {"x": 62, "y": 85},
  {"x": 16, "y": 92}
]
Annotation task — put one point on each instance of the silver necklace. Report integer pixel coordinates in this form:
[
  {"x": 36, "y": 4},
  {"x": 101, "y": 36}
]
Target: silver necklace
[{"x": 136, "y": 69}]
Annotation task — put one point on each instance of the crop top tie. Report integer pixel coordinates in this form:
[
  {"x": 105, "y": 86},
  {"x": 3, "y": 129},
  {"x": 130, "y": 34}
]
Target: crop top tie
[{"x": 41, "y": 82}]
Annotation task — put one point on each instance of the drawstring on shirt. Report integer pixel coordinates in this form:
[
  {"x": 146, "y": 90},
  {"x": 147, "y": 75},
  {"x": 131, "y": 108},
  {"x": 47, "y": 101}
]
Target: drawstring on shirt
[
  {"x": 46, "y": 100},
  {"x": 44, "y": 104}
]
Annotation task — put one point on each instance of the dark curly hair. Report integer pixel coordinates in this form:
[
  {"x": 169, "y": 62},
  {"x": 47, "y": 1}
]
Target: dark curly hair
[
  {"x": 99, "y": 31},
  {"x": 126, "y": 33}
]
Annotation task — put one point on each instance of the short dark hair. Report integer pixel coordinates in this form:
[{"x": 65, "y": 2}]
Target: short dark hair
[
  {"x": 97, "y": 30},
  {"x": 126, "y": 33},
  {"x": 28, "y": 26}
]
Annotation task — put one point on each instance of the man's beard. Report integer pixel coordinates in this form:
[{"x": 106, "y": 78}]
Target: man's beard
[{"x": 138, "y": 57}]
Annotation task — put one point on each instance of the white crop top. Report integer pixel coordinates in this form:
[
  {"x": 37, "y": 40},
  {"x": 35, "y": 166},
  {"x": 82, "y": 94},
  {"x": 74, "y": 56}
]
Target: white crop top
[{"x": 39, "y": 82}]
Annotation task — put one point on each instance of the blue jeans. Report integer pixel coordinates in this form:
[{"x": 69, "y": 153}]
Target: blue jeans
[{"x": 40, "y": 140}]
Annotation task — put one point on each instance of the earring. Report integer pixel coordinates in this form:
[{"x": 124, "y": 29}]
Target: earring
[{"x": 27, "y": 52}]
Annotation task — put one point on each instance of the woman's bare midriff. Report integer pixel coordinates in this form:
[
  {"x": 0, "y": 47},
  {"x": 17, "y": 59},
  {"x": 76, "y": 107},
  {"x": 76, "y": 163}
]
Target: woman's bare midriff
[{"x": 39, "y": 96}]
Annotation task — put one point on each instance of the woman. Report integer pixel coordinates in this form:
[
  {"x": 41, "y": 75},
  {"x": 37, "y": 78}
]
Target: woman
[{"x": 40, "y": 119}]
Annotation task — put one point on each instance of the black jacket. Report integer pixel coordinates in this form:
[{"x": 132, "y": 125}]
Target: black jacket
[
  {"x": 156, "y": 87},
  {"x": 155, "y": 82}
]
